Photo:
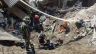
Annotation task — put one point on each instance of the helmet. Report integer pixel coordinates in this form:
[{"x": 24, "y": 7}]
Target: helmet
[
  {"x": 36, "y": 16},
  {"x": 26, "y": 18},
  {"x": 65, "y": 22}
]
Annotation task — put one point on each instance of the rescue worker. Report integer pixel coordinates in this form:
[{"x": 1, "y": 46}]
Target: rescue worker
[
  {"x": 42, "y": 39},
  {"x": 26, "y": 33},
  {"x": 79, "y": 24},
  {"x": 36, "y": 19},
  {"x": 64, "y": 28},
  {"x": 36, "y": 22}
]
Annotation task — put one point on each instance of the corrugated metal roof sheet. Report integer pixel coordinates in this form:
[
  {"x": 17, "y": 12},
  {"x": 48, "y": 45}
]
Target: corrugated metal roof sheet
[{"x": 11, "y": 3}]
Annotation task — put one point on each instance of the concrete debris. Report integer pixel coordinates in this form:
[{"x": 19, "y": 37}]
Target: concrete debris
[
  {"x": 6, "y": 36},
  {"x": 72, "y": 37},
  {"x": 46, "y": 22},
  {"x": 86, "y": 13}
]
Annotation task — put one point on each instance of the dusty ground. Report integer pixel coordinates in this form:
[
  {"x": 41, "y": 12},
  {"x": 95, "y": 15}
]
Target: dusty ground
[{"x": 77, "y": 47}]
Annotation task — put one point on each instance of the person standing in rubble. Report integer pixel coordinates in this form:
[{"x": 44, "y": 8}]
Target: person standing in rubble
[
  {"x": 26, "y": 33},
  {"x": 36, "y": 22},
  {"x": 36, "y": 18}
]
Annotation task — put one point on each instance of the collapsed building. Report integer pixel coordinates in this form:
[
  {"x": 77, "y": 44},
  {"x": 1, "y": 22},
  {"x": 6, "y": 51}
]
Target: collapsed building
[
  {"x": 25, "y": 8},
  {"x": 21, "y": 10}
]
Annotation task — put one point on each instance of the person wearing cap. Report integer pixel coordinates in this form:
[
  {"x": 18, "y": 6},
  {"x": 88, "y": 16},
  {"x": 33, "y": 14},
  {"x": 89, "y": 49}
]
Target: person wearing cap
[{"x": 26, "y": 31}]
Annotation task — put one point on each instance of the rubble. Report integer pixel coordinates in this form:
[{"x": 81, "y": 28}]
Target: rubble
[
  {"x": 6, "y": 36},
  {"x": 74, "y": 42},
  {"x": 86, "y": 13}
]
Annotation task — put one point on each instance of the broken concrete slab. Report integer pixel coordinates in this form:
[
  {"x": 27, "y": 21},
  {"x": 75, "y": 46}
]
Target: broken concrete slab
[{"x": 6, "y": 36}]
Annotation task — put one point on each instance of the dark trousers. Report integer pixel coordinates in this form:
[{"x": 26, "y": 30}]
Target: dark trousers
[{"x": 27, "y": 44}]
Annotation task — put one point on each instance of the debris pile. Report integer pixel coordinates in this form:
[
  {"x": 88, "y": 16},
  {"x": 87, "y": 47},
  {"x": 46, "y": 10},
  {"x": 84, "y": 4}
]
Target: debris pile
[
  {"x": 43, "y": 32},
  {"x": 86, "y": 14}
]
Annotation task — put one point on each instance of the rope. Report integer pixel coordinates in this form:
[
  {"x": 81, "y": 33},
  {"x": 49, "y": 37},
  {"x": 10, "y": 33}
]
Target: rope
[{"x": 69, "y": 20}]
